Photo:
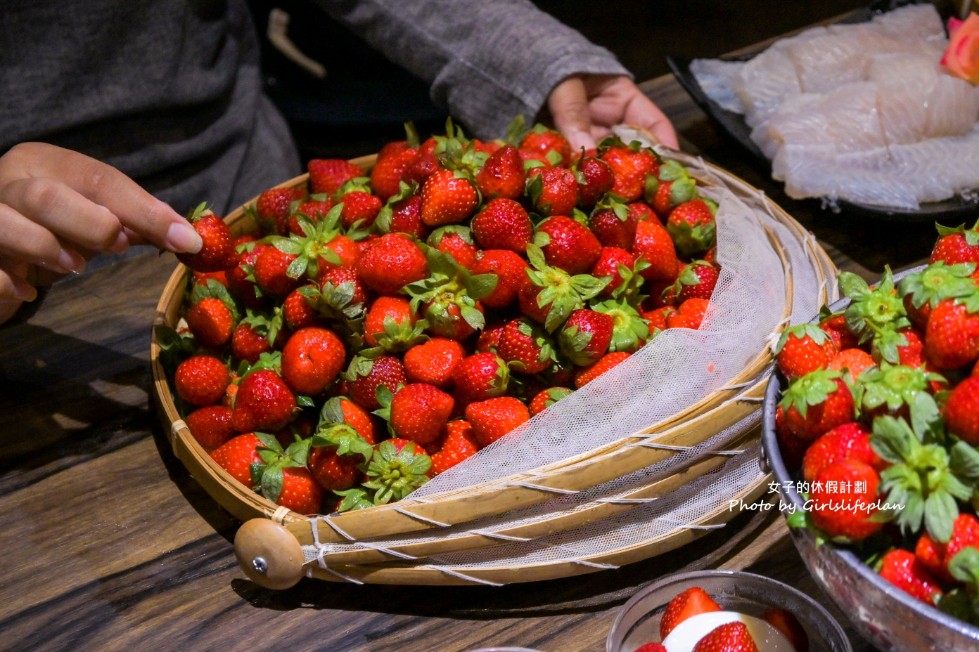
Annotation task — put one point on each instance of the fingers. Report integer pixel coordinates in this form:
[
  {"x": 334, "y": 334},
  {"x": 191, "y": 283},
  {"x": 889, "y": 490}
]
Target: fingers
[
  {"x": 30, "y": 243},
  {"x": 104, "y": 187},
  {"x": 568, "y": 104}
]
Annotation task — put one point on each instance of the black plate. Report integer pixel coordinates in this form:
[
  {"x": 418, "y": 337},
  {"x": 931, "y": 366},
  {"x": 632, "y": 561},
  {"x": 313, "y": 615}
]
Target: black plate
[{"x": 950, "y": 211}]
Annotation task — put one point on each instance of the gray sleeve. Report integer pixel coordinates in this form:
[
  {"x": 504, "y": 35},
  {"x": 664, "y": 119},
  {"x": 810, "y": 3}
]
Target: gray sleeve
[{"x": 486, "y": 60}]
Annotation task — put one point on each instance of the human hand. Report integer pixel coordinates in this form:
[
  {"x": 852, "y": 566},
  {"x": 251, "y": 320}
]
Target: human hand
[
  {"x": 586, "y": 107},
  {"x": 58, "y": 208}
]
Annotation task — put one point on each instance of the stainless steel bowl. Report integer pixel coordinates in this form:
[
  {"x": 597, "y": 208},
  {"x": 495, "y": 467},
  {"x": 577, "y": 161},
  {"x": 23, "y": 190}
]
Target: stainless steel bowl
[{"x": 883, "y": 614}]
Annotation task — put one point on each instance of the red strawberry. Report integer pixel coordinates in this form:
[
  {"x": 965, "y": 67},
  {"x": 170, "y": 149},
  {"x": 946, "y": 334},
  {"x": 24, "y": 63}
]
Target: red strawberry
[
  {"x": 364, "y": 376},
  {"x": 359, "y": 208},
  {"x": 342, "y": 290},
  {"x": 546, "y": 398},
  {"x": 271, "y": 270},
  {"x": 328, "y": 175},
  {"x": 480, "y": 376},
  {"x": 525, "y": 347},
  {"x": 312, "y": 359},
  {"x": 697, "y": 279},
  {"x": 263, "y": 402},
  {"x": 447, "y": 198},
  {"x": 786, "y": 622},
  {"x": 962, "y": 410},
  {"x": 503, "y": 224},
  {"x": 691, "y": 602},
  {"x": 457, "y": 444},
  {"x": 211, "y": 426},
  {"x": 237, "y": 455},
  {"x": 502, "y": 175},
  {"x": 457, "y": 241},
  {"x": 552, "y": 191},
  {"x": 568, "y": 244},
  {"x": 386, "y": 318},
  {"x": 241, "y": 278},
  {"x": 218, "y": 249},
  {"x": 495, "y": 417},
  {"x": 585, "y": 336},
  {"x": 211, "y": 321},
  {"x": 618, "y": 266},
  {"x": 299, "y": 308},
  {"x": 814, "y": 404},
  {"x": 902, "y": 569},
  {"x": 935, "y": 555},
  {"x": 434, "y": 362},
  {"x": 835, "y": 325},
  {"x": 854, "y": 360},
  {"x": 489, "y": 339},
  {"x": 418, "y": 412},
  {"x": 689, "y": 314},
  {"x": 842, "y": 500},
  {"x": 594, "y": 180},
  {"x": 249, "y": 341},
  {"x": 613, "y": 224},
  {"x": 844, "y": 442},
  {"x": 673, "y": 187},
  {"x": 952, "y": 333},
  {"x": 631, "y": 166},
  {"x": 543, "y": 143},
  {"x": 606, "y": 362},
  {"x": 274, "y": 207},
  {"x": 391, "y": 262},
  {"x": 651, "y": 647},
  {"x": 803, "y": 348},
  {"x": 511, "y": 273},
  {"x": 313, "y": 210},
  {"x": 692, "y": 227},
  {"x": 343, "y": 441},
  {"x": 201, "y": 380},
  {"x": 956, "y": 245},
  {"x": 655, "y": 246},
  {"x": 391, "y": 168},
  {"x": 729, "y": 637}
]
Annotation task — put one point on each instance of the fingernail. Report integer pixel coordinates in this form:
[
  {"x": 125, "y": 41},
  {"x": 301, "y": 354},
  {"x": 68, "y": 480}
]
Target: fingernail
[
  {"x": 579, "y": 140},
  {"x": 121, "y": 243},
  {"x": 182, "y": 238},
  {"x": 71, "y": 261},
  {"x": 24, "y": 291}
]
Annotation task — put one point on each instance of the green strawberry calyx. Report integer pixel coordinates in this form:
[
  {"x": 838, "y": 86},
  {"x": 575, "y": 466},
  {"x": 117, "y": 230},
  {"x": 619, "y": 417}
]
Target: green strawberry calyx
[
  {"x": 872, "y": 310},
  {"x": 811, "y": 389},
  {"x": 559, "y": 290},
  {"x": 893, "y": 386},
  {"x": 937, "y": 282},
  {"x": 394, "y": 472}
]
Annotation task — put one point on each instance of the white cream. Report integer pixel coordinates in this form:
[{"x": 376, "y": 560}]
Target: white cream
[{"x": 685, "y": 636}]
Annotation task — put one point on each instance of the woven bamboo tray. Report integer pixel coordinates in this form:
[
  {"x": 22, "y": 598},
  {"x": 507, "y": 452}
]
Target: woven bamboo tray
[{"x": 368, "y": 546}]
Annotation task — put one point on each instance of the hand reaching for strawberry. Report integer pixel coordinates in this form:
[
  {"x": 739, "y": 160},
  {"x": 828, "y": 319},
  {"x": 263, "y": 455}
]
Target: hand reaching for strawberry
[
  {"x": 586, "y": 107},
  {"x": 58, "y": 208}
]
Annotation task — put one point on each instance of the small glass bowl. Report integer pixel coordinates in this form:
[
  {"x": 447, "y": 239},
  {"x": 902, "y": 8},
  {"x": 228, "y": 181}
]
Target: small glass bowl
[{"x": 638, "y": 620}]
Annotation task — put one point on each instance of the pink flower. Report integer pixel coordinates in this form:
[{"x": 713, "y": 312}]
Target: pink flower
[{"x": 962, "y": 56}]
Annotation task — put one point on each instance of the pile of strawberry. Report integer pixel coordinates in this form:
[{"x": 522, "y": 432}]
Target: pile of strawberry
[
  {"x": 380, "y": 326},
  {"x": 881, "y": 420}
]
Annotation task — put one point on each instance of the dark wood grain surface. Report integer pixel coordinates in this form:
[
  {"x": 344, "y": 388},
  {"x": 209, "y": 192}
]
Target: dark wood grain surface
[{"x": 108, "y": 543}]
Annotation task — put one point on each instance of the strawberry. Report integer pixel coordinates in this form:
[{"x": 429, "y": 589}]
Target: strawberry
[
  {"x": 457, "y": 241},
  {"x": 312, "y": 359},
  {"x": 672, "y": 187},
  {"x": 803, "y": 348},
  {"x": 493, "y": 418},
  {"x": 543, "y": 143},
  {"x": 952, "y": 333},
  {"x": 389, "y": 320},
  {"x": 360, "y": 208},
  {"x": 655, "y": 246},
  {"x": 313, "y": 209},
  {"x": 480, "y": 376},
  {"x": 503, "y": 224},
  {"x": 457, "y": 444},
  {"x": 217, "y": 251},
  {"x": 697, "y": 279},
  {"x": 250, "y": 339},
  {"x": 433, "y": 362},
  {"x": 606, "y": 362},
  {"x": 835, "y": 325},
  {"x": 902, "y": 569},
  {"x": 502, "y": 175},
  {"x": 586, "y": 336},
  {"x": 691, "y": 602},
  {"x": 853, "y": 360},
  {"x": 392, "y": 168},
  {"x": 594, "y": 180},
  {"x": 283, "y": 477},
  {"x": 962, "y": 410},
  {"x": 426, "y": 163},
  {"x": 263, "y": 402},
  {"x": 844, "y": 442},
  {"x": 201, "y": 380},
  {"x": 956, "y": 245},
  {"x": 392, "y": 262},
  {"x": 651, "y": 647},
  {"x": 814, "y": 404},
  {"x": 342, "y": 292},
  {"x": 211, "y": 321},
  {"x": 546, "y": 398},
  {"x": 689, "y": 314},
  {"x": 402, "y": 215},
  {"x": 328, "y": 175},
  {"x": 271, "y": 270},
  {"x": 241, "y": 278},
  {"x": 211, "y": 426},
  {"x": 274, "y": 206},
  {"x": 631, "y": 166},
  {"x": 489, "y": 339},
  {"x": 344, "y": 439},
  {"x": 842, "y": 500},
  {"x": 396, "y": 468},
  {"x": 525, "y": 347},
  {"x": 418, "y": 412},
  {"x": 935, "y": 555},
  {"x": 568, "y": 244},
  {"x": 692, "y": 227},
  {"x": 729, "y": 637},
  {"x": 552, "y": 191},
  {"x": 364, "y": 376},
  {"x": 238, "y": 454},
  {"x": 510, "y": 270},
  {"x": 786, "y": 622},
  {"x": 447, "y": 198},
  {"x": 299, "y": 308},
  {"x": 613, "y": 223}
]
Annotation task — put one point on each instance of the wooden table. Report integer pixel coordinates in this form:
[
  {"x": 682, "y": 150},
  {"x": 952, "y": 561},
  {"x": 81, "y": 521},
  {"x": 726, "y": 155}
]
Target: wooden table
[{"x": 109, "y": 544}]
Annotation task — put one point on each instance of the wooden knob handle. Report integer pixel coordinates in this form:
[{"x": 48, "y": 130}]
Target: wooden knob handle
[{"x": 269, "y": 554}]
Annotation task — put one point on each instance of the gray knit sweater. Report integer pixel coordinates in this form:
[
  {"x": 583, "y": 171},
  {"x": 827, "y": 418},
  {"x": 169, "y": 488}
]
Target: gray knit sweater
[{"x": 170, "y": 92}]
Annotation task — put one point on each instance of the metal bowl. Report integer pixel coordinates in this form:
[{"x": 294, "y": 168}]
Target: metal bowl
[
  {"x": 883, "y": 614},
  {"x": 638, "y": 620}
]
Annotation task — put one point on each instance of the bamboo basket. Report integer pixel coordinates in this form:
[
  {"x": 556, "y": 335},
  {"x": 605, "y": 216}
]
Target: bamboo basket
[{"x": 421, "y": 541}]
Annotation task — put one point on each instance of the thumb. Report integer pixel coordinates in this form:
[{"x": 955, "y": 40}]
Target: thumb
[{"x": 568, "y": 104}]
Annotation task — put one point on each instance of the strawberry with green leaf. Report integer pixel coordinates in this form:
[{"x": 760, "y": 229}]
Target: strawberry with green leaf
[
  {"x": 952, "y": 332},
  {"x": 629, "y": 330},
  {"x": 396, "y": 468},
  {"x": 480, "y": 376},
  {"x": 263, "y": 400},
  {"x": 586, "y": 336},
  {"x": 926, "y": 288},
  {"x": 416, "y": 411},
  {"x": 391, "y": 262},
  {"x": 550, "y": 294},
  {"x": 365, "y": 375},
  {"x": 525, "y": 347},
  {"x": 903, "y": 570},
  {"x": 875, "y": 311},
  {"x": 217, "y": 251},
  {"x": 568, "y": 244},
  {"x": 692, "y": 226},
  {"x": 813, "y": 405},
  {"x": 502, "y": 175},
  {"x": 956, "y": 245}
]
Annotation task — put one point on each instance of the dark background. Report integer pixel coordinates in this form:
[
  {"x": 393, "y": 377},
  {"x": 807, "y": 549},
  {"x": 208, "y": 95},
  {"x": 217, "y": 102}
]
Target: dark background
[{"x": 365, "y": 100}]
